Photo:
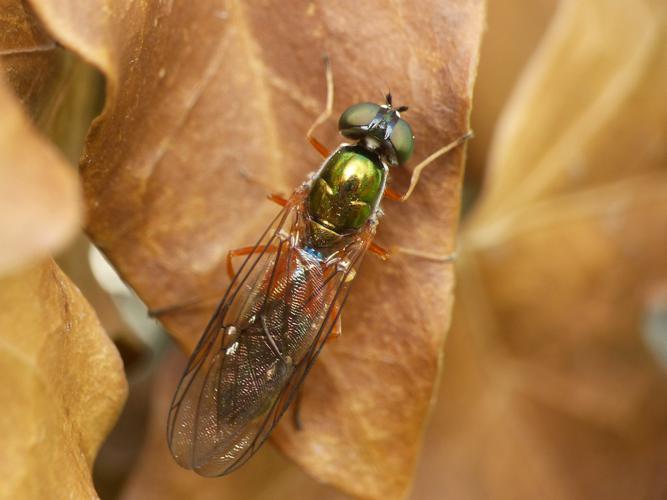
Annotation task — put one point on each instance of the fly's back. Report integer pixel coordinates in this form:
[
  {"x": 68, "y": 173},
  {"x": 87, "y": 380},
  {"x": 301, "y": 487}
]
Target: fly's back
[
  {"x": 347, "y": 189},
  {"x": 345, "y": 193}
]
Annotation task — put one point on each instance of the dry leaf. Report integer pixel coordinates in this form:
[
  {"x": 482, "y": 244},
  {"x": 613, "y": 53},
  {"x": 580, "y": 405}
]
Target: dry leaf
[
  {"x": 551, "y": 391},
  {"x": 62, "y": 386},
  {"x": 60, "y": 92},
  {"x": 40, "y": 201},
  {"x": 207, "y": 109},
  {"x": 268, "y": 476},
  {"x": 30, "y": 57}
]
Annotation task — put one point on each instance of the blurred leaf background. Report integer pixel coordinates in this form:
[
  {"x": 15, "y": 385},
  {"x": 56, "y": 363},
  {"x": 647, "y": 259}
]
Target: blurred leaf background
[{"x": 553, "y": 383}]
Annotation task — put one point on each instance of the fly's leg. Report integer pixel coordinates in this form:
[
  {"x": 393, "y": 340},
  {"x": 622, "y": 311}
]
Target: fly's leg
[
  {"x": 434, "y": 257},
  {"x": 378, "y": 251},
  {"x": 393, "y": 195},
  {"x": 336, "y": 331},
  {"x": 324, "y": 116},
  {"x": 161, "y": 311},
  {"x": 277, "y": 199},
  {"x": 238, "y": 252}
]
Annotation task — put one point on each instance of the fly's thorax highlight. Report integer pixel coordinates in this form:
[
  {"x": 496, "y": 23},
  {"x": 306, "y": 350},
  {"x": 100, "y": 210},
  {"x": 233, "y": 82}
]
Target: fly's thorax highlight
[{"x": 344, "y": 194}]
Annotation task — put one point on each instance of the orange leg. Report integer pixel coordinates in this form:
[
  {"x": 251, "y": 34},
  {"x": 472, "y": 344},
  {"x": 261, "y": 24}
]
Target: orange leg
[
  {"x": 237, "y": 252},
  {"x": 161, "y": 311},
  {"x": 278, "y": 199},
  {"x": 392, "y": 195},
  {"x": 383, "y": 253},
  {"x": 337, "y": 329},
  {"x": 321, "y": 149}
]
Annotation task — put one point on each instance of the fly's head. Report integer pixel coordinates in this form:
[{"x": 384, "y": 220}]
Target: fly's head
[{"x": 379, "y": 128}]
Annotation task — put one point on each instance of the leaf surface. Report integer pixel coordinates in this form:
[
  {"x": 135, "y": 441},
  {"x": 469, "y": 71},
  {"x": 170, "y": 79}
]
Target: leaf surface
[
  {"x": 207, "y": 108},
  {"x": 62, "y": 386},
  {"x": 40, "y": 197}
]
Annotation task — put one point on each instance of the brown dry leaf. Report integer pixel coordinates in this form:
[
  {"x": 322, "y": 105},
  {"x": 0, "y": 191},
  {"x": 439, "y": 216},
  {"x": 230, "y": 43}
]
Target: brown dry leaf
[
  {"x": 59, "y": 91},
  {"x": 207, "y": 110},
  {"x": 40, "y": 199},
  {"x": 268, "y": 476},
  {"x": 30, "y": 57},
  {"x": 550, "y": 390},
  {"x": 62, "y": 386}
]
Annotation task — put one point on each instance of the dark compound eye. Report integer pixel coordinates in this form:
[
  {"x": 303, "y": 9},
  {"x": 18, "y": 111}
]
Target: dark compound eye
[
  {"x": 403, "y": 140},
  {"x": 357, "y": 115}
]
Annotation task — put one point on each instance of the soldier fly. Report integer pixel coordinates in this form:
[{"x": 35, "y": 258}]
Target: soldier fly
[{"x": 285, "y": 301}]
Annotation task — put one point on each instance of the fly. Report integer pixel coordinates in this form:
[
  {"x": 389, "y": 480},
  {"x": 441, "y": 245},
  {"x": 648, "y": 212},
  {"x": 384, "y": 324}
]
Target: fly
[{"x": 285, "y": 301}]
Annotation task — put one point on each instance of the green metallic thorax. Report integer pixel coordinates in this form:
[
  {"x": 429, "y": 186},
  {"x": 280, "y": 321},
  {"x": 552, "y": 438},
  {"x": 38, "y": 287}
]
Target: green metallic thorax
[{"x": 345, "y": 193}]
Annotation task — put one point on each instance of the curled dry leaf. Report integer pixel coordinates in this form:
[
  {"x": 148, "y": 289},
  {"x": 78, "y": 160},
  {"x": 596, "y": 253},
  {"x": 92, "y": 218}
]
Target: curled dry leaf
[
  {"x": 29, "y": 56},
  {"x": 207, "y": 108},
  {"x": 40, "y": 199},
  {"x": 561, "y": 263},
  {"x": 62, "y": 386},
  {"x": 59, "y": 91},
  {"x": 268, "y": 476}
]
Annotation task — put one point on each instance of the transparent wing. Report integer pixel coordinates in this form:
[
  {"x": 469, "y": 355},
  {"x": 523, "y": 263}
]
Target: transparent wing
[{"x": 259, "y": 345}]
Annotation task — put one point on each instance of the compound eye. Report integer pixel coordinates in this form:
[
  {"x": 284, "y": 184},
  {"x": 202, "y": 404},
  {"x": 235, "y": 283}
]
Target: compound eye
[
  {"x": 403, "y": 140},
  {"x": 357, "y": 115}
]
